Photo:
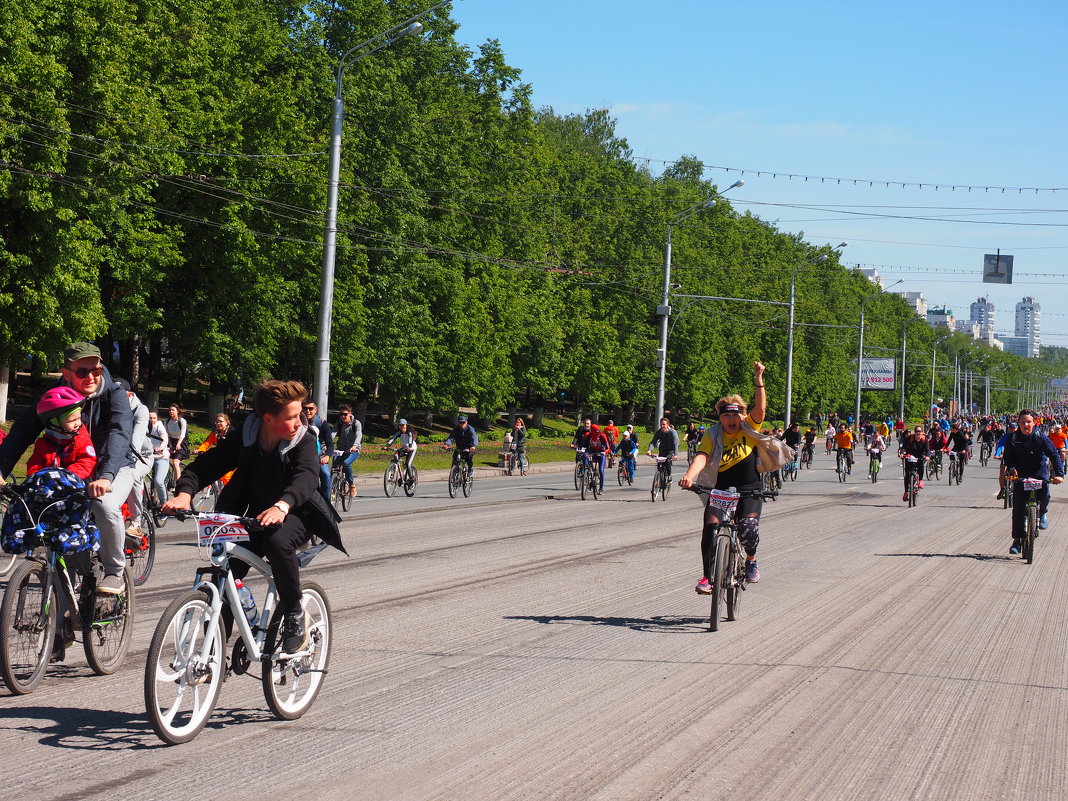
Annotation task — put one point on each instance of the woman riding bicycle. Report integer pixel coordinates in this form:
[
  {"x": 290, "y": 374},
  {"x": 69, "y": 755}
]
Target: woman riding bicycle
[
  {"x": 276, "y": 477},
  {"x": 407, "y": 444},
  {"x": 728, "y": 457},
  {"x": 914, "y": 444}
]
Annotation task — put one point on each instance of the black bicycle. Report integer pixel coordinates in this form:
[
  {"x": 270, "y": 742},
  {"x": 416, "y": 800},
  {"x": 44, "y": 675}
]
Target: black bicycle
[
  {"x": 50, "y": 598},
  {"x": 140, "y": 546},
  {"x": 516, "y": 461},
  {"x": 340, "y": 486},
  {"x": 806, "y": 455},
  {"x": 591, "y": 477},
  {"x": 913, "y": 469},
  {"x": 460, "y": 478},
  {"x": 1027, "y": 548},
  {"x": 844, "y": 466},
  {"x": 727, "y": 568},
  {"x": 625, "y": 471},
  {"x": 769, "y": 486},
  {"x": 956, "y": 468},
  {"x": 984, "y": 453},
  {"x": 662, "y": 478},
  {"x": 934, "y": 467}
]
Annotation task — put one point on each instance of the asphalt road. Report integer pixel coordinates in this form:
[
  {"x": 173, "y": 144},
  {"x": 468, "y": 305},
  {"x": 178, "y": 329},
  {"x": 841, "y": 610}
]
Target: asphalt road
[{"x": 523, "y": 644}]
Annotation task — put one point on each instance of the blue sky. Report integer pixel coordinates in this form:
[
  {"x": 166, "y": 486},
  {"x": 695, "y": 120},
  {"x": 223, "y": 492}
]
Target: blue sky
[{"x": 938, "y": 93}]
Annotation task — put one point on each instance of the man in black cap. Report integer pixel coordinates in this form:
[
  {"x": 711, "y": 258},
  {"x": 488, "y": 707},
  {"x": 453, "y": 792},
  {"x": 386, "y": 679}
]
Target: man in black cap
[
  {"x": 466, "y": 442},
  {"x": 108, "y": 417}
]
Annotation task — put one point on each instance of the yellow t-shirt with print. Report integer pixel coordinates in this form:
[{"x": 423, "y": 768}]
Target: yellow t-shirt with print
[{"x": 736, "y": 447}]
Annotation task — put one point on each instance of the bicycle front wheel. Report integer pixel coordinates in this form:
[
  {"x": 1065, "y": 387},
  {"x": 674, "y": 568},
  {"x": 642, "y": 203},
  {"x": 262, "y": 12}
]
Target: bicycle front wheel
[
  {"x": 656, "y": 484},
  {"x": 469, "y": 484},
  {"x": 346, "y": 493},
  {"x": 290, "y": 685},
  {"x": 389, "y": 480},
  {"x": 621, "y": 474},
  {"x": 455, "y": 479},
  {"x": 1029, "y": 534},
  {"x": 107, "y": 627},
  {"x": 585, "y": 486},
  {"x": 665, "y": 487},
  {"x": 142, "y": 557},
  {"x": 578, "y": 476},
  {"x": 595, "y": 484},
  {"x": 411, "y": 482},
  {"x": 27, "y": 627},
  {"x": 720, "y": 580},
  {"x": 181, "y": 684}
]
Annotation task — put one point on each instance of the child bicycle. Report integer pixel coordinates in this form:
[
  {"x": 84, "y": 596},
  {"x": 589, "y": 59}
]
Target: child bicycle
[
  {"x": 726, "y": 568},
  {"x": 186, "y": 662},
  {"x": 51, "y": 594}
]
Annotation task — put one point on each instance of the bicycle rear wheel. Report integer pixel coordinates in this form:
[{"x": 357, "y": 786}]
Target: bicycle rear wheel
[
  {"x": 107, "y": 626},
  {"x": 411, "y": 481},
  {"x": 143, "y": 556},
  {"x": 736, "y": 580},
  {"x": 720, "y": 580},
  {"x": 181, "y": 689},
  {"x": 27, "y": 627},
  {"x": 291, "y": 685}
]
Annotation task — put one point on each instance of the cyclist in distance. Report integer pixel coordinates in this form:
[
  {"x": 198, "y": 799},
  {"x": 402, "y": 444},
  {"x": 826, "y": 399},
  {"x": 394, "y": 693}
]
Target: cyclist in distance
[
  {"x": 634, "y": 436},
  {"x": 349, "y": 433},
  {"x": 666, "y": 443},
  {"x": 844, "y": 442},
  {"x": 222, "y": 430},
  {"x": 177, "y": 438},
  {"x": 958, "y": 444},
  {"x": 627, "y": 450},
  {"x": 1058, "y": 438},
  {"x": 582, "y": 437},
  {"x": 519, "y": 442},
  {"x": 276, "y": 474},
  {"x": 810, "y": 442},
  {"x": 321, "y": 429},
  {"x": 405, "y": 437},
  {"x": 792, "y": 437},
  {"x": 914, "y": 444},
  {"x": 466, "y": 441},
  {"x": 599, "y": 447},
  {"x": 728, "y": 458},
  {"x": 1029, "y": 454},
  {"x": 829, "y": 434},
  {"x": 876, "y": 446},
  {"x": 157, "y": 436},
  {"x": 107, "y": 415}
]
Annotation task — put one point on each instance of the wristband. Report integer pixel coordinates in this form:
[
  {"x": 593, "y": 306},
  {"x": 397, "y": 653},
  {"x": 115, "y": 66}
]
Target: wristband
[
  {"x": 759, "y": 386},
  {"x": 283, "y": 506}
]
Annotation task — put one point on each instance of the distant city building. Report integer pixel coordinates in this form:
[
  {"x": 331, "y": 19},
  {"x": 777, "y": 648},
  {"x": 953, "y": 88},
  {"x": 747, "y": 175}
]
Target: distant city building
[
  {"x": 982, "y": 313},
  {"x": 1019, "y": 346},
  {"x": 941, "y": 317},
  {"x": 1029, "y": 325},
  {"x": 916, "y": 301},
  {"x": 872, "y": 275}
]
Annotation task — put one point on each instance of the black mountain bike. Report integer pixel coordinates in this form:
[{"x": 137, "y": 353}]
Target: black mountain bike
[
  {"x": 661, "y": 478},
  {"x": 913, "y": 469},
  {"x": 50, "y": 598},
  {"x": 459, "y": 478},
  {"x": 934, "y": 467},
  {"x": 842, "y": 464},
  {"x": 956, "y": 468},
  {"x": 591, "y": 477},
  {"x": 727, "y": 570},
  {"x": 1027, "y": 548}
]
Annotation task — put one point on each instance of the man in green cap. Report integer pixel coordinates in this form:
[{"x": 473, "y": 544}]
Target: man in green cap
[{"x": 108, "y": 417}]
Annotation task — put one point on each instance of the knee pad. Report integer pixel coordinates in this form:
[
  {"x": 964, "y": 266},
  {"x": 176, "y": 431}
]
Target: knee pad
[{"x": 749, "y": 533}]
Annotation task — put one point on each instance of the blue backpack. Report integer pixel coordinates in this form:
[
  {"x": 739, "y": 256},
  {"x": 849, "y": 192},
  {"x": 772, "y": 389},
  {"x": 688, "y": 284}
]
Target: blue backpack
[{"x": 51, "y": 506}]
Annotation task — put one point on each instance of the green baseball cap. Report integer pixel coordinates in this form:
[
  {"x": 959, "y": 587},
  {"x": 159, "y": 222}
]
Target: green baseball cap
[{"x": 80, "y": 350}]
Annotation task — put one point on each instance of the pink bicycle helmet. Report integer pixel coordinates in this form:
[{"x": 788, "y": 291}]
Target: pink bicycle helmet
[{"x": 57, "y": 403}]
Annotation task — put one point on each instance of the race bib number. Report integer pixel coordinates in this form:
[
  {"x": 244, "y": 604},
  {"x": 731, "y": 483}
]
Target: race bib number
[
  {"x": 721, "y": 499},
  {"x": 221, "y": 528}
]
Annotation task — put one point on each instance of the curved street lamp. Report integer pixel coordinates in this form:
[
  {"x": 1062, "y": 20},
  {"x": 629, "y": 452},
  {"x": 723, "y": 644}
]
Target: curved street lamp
[
  {"x": 326, "y": 295},
  {"x": 664, "y": 309}
]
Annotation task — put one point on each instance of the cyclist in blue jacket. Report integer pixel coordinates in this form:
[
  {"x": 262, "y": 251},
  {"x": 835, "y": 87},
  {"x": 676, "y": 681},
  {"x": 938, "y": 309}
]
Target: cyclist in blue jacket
[
  {"x": 1030, "y": 454},
  {"x": 466, "y": 441}
]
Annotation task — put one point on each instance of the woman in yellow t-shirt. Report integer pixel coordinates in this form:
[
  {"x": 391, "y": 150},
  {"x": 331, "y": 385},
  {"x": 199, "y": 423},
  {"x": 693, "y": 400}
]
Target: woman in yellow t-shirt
[{"x": 737, "y": 468}]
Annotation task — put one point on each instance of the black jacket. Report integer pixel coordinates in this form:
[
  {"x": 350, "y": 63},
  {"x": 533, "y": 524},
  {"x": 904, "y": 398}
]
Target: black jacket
[
  {"x": 297, "y": 483},
  {"x": 107, "y": 416},
  {"x": 1031, "y": 456}
]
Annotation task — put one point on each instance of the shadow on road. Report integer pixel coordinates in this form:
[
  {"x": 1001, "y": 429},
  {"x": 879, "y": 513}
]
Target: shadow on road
[
  {"x": 660, "y": 623},
  {"x": 105, "y": 729},
  {"x": 979, "y": 557}
]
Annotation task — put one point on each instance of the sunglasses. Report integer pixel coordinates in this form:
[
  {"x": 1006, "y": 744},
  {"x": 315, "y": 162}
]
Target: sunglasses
[
  {"x": 309, "y": 408},
  {"x": 85, "y": 372}
]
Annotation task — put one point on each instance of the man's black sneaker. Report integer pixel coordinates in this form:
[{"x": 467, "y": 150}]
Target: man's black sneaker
[{"x": 294, "y": 632}]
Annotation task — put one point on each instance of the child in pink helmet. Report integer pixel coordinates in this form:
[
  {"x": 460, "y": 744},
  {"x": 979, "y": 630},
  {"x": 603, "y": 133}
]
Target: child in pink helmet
[{"x": 65, "y": 442}]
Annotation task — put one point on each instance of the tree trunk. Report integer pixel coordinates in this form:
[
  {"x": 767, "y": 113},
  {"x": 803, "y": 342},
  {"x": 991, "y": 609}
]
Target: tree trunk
[
  {"x": 135, "y": 361},
  {"x": 5, "y": 382},
  {"x": 538, "y": 418}
]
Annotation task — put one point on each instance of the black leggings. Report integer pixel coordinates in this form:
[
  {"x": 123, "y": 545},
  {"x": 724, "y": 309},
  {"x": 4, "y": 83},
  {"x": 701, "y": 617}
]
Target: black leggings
[
  {"x": 748, "y": 529},
  {"x": 280, "y": 548}
]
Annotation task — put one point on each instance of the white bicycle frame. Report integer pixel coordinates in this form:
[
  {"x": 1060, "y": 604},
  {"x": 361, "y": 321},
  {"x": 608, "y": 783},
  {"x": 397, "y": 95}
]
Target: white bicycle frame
[{"x": 221, "y": 553}]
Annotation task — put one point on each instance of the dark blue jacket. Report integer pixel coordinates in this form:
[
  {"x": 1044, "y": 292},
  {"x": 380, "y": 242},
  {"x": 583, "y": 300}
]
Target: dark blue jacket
[
  {"x": 465, "y": 438},
  {"x": 1031, "y": 456}
]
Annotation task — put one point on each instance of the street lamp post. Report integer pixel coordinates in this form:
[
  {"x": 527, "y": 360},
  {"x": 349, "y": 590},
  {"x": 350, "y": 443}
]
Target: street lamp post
[
  {"x": 860, "y": 348},
  {"x": 664, "y": 309},
  {"x": 790, "y": 334},
  {"x": 326, "y": 294}
]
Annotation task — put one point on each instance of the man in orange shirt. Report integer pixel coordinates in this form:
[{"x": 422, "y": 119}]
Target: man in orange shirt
[
  {"x": 844, "y": 441},
  {"x": 1059, "y": 439}
]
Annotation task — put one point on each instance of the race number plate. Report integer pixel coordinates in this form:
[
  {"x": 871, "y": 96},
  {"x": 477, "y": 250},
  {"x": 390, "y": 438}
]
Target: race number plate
[
  {"x": 221, "y": 528},
  {"x": 721, "y": 499},
  {"x": 1032, "y": 484}
]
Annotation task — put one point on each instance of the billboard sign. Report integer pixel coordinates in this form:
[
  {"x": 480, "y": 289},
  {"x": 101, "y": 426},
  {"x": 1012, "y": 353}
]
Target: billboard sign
[
  {"x": 878, "y": 373},
  {"x": 997, "y": 269}
]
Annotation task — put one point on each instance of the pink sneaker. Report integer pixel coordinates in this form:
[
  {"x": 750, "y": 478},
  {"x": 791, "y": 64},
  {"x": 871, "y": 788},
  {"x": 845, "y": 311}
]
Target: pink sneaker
[
  {"x": 703, "y": 586},
  {"x": 920, "y": 485}
]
